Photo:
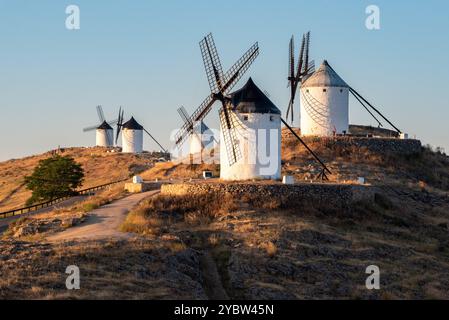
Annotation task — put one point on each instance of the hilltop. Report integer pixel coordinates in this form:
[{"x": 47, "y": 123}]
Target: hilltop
[
  {"x": 252, "y": 247},
  {"x": 100, "y": 167},
  {"x": 426, "y": 167},
  {"x": 379, "y": 160}
]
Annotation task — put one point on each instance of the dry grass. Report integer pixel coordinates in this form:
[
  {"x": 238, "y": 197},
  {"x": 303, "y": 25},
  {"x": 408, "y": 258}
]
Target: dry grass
[
  {"x": 305, "y": 251},
  {"x": 62, "y": 218},
  {"x": 155, "y": 215},
  {"x": 215, "y": 239},
  {"x": 138, "y": 222},
  {"x": 89, "y": 206},
  {"x": 166, "y": 170},
  {"x": 270, "y": 249},
  {"x": 260, "y": 253},
  {"x": 135, "y": 269},
  {"x": 430, "y": 167},
  {"x": 264, "y": 249},
  {"x": 99, "y": 167},
  {"x": 161, "y": 210}
]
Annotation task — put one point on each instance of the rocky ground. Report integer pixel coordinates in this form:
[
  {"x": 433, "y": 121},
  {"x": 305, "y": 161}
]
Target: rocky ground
[
  {"x": 310, "y": 253},
  {"x": 37, "y": 226},
  {"x": 249, "y": 249},
  {"x": 135, "y": 269},
  {"x": 218, "y": 247}
]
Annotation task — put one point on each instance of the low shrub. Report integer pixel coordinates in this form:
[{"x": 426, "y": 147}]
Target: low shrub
[
  {"x": 152, "y": 214},
  {"x": 89, "y": 206}
]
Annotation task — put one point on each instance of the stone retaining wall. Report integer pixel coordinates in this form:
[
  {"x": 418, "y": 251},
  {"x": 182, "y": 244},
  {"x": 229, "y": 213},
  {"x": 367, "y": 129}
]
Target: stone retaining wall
[
  {"x": 338, "y": 195},
  {"x": 374, "y": 144},
  {"x": 378, "y": 145}
]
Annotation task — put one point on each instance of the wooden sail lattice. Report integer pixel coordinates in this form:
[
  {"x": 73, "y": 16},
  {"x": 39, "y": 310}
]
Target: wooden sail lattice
[{"x": 231, "y": 141}]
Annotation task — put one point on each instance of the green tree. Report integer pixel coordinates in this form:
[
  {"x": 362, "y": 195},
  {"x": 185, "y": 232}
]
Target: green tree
[{"x": 53, "y": 178}]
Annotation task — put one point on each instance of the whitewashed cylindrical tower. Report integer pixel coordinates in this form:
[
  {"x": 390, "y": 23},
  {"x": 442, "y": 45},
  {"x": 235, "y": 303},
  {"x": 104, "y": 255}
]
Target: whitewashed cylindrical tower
[
  {"x": 257, "y": 137},
  {"x": 324, "y": 103},
  {"x": 104, "y": 135},
  {"x": 132, "y": 137},
  {"x": 198, "y": 138},
  {"x": 195, "y": 145}
]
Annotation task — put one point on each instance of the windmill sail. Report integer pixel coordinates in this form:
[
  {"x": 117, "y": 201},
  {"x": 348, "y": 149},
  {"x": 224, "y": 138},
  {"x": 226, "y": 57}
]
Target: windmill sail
[
  {"x": 220, "y": 85},
  {"x": 304, "y": 69},
  {"x": 119, "y": 123}
]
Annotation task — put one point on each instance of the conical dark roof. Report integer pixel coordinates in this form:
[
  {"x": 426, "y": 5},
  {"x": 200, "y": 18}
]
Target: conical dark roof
[
  {"x": 104, "y": 126},
  {"x": 132, "y": 124},
  {"x": 250, "y": 99}
]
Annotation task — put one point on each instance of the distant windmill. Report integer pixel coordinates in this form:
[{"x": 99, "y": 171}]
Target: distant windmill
[
  {"x": 132, "y": 134},
  {"x": 197, "y": 137},
  {"x": 104, "y": 132},
  {"x": 303, "y": 70}
]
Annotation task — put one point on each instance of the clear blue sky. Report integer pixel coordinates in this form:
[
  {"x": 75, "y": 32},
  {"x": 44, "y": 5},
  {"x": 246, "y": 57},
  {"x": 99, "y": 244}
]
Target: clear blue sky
[{"x": 144, "y": 55}]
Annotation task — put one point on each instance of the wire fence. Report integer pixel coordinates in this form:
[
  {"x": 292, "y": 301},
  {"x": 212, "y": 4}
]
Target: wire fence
[{"x": 46, "y": 204}]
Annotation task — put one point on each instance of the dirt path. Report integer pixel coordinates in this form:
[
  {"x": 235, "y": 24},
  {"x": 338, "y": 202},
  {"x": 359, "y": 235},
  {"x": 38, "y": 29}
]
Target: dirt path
[{"x": 104, "y": 222}]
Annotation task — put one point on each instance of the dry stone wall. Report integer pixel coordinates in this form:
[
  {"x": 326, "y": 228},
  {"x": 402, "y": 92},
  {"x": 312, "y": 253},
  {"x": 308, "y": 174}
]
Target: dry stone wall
[
  {"x": 378, "y": 145},
  {"x": 338, "y": 195}
]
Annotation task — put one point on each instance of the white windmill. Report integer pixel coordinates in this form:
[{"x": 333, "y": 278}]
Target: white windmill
[
  {"x": 201, "y": 137},
  {"x": 324, "y": 96},
  {"x": 132, "y": 134},
  {"x": 324, "y": 103},
  {"x": 104, "y": 135},
  {"x": 245, "y": 116},
  {"x": 258, "y": 132}
]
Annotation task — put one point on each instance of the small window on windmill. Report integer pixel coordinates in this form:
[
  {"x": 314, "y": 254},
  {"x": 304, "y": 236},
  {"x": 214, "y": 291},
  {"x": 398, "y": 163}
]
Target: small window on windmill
[
  {"x": 245, "y": 118},
  {"x": 307, "y": 90},
  {"x": 324, "y": 90},
  {"x": 271, "y": 118},
  {"x": 341, "y": 90}
]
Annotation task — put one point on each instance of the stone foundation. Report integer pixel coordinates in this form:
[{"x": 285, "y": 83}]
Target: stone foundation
[
  {"x": 338, "y": 195},
  {"x": 376, "y": 145},
  {"x": 381, "y": 144}
]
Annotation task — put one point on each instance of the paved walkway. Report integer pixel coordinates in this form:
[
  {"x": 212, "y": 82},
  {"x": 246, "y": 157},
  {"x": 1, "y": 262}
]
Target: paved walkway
[{"x": 104, "y": 222}]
